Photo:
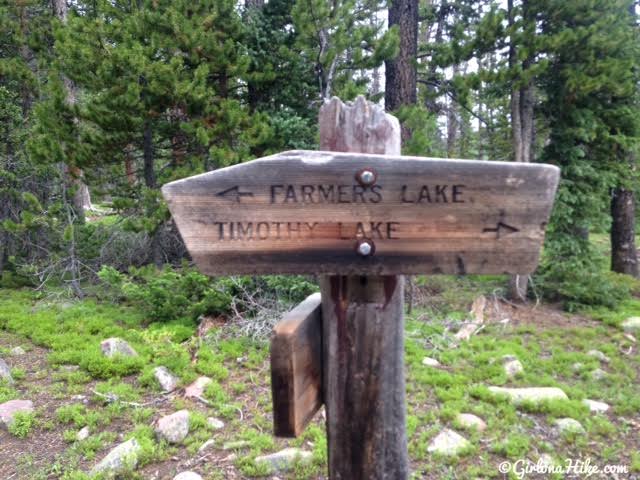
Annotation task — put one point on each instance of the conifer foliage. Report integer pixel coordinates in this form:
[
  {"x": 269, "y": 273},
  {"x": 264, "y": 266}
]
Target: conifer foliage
[{"x": 123, "y": 96}]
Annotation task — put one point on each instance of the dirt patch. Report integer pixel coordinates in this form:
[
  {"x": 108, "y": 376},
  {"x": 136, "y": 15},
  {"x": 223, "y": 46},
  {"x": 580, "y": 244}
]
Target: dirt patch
[{"x": 540, "y": 315}]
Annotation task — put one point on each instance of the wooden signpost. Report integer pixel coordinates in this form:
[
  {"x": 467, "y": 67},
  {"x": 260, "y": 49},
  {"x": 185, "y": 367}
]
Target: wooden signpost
[{"x": 361, "y": 215}]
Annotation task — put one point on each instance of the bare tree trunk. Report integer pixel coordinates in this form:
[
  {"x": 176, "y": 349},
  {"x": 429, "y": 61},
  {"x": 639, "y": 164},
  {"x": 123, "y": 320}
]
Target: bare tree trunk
[
  {"x": 400, "y": 72},
  {"x": 430, "y": 86},
  {"x": 74, "y": 175},
  {"x": 129, "y": 168},
  {"x": 453, "y": 123},
  {"x": 624, "y": 257},
  {"x": 148, "y": 155},
  {"x": 522, "y": 129}
]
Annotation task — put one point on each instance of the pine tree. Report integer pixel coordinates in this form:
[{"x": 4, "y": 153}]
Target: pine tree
[
  {"x": 343, "y": 38},
  {"x": 161, "y": 82},
  {"x": 591, "y": 92}
]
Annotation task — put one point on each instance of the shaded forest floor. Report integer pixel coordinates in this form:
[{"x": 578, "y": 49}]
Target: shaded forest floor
[{"x": 72, "y": 385}]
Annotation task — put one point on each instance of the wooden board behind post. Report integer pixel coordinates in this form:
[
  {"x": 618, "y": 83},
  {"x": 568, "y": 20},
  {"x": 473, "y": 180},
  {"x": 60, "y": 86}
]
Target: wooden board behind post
[
  {"x": 363, "y": 328},
  {"x": 296, "y": 367}
]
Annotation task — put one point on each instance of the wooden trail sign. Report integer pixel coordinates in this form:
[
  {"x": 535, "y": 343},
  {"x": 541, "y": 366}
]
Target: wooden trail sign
[
  {"x": 360, "y": 219},
  {"x": 308, "y": 211}
]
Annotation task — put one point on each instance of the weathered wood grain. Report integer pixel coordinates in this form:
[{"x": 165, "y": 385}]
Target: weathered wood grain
[
  {"x": 363, "y": 328},
  {"x": 296, "y": 367},
  {"x": 303, "y": 212}
]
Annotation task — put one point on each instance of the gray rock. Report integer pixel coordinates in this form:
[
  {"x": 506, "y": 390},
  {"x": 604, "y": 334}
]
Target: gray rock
[
  {"x": 117, "y": 346},
  {"x": 70, "y": 368},
  {"x": 284, "y": 459},
  {"x": 207, "y": 445},
  {"x": 17, "y": 351},
  {"x": 196, "y": 389},
  {"x": 598, "y": 374},
  {"x": 448, "y": 443},
  {"x": 568, "y": 425},
  {"x": 8, "y": 410},
  {"x": 215, "y": 423},
  {"x": 167, "y": 380},
  {"x": 599, "y": 355},
  {"x": 187, "y": 476},
  {"x": 546, "y": 460},
  {"x": 468, "y": 420},
  {"x": 5, "y": 372},
  {"x": 430, "y": 362},
  {"x": 237, "y": 445},
  {"x": 512, "y": 366},
  {"x": 631, "y": 324},
  {"x": 121, "y": 458},
  {"x": 173, "y": 428},
  {"x": 83, "y": 434},
  {"x": 576, "y": 367},
  {"x": 530, "y": 394},
  {"x": 595, "y": 406}
]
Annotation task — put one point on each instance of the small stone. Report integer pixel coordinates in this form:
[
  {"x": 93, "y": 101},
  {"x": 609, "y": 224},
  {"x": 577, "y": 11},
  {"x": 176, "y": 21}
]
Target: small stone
[
  {"x": 166, "y": 379},
  {"x": 512, "y": 366},
  {"x": 568, "y": 425},
  {"x": 530, "y": 394},
  {"x": 284, "y": 459},
  {"x": 70, "y": 368},
  {"x": 206, "y": 445},
  {"x": 80, "y": 398},
  {"x": 237, "y": 445},
  {"x": 631, "y": 324},
  {"x": 448, "y": 443},
  {"x": 545, "y": 460},
  {"x": 215, "y": 423},
  {"x": 121, "y": 458},
  {"x": 83, "y": 434},
  {"x": 595, "y": 406},
  {"x": 599, "y": 355},
  {"x": 576, "y": 367},
  {"x": 173, "y": 428},
  {"x": 117, "y": 346},
  {"x": 5, "y": 372},
  {"x": 187, "y": 476},
  {"x": 598, "y": 374},
  {"x": 8, "y": 410},
  {"x": 17, "y": 351},
  {"x": 468, "y": 420},
  {"x": 430, "y": 362},
  {"x": 196, "y": 389}
]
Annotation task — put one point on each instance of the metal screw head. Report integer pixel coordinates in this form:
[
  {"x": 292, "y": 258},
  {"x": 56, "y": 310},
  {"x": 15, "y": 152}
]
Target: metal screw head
[
  {"x": 365, "y": 249},
  {"x": 366, "y": 177}
]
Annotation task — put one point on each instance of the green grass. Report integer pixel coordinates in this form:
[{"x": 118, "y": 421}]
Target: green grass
[
  {"x": 22, "y": 424},
  {"x": 435, "y": 396}
]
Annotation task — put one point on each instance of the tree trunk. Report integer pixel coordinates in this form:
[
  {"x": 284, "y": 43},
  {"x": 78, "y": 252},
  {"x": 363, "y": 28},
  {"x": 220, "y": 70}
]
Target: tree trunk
[
  {"x": 522, "y": 130},
  {"x": 624, "y": 257},
  {"x": 453, "y": 123},
  {"x": 150, "y": 182},
  {"x": 400, "y": 72},
  {"x": 81, "y": 199},
  {"x": 363, "y": 331}
]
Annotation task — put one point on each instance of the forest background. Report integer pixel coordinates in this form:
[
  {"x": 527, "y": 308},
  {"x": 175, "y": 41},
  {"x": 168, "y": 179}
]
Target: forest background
[{"x": 104, "y": 101}]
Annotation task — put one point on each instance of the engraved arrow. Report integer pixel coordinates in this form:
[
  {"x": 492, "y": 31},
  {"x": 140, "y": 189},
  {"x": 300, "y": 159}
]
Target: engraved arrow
[
  {"x": 234, "y": 194},
  {"x": 501, "y": 229}
]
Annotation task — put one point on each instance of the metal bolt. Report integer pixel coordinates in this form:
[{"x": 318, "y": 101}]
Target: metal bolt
[
  {"x": 365, "y": 249},
  {"x": 367, "y": 177}
]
